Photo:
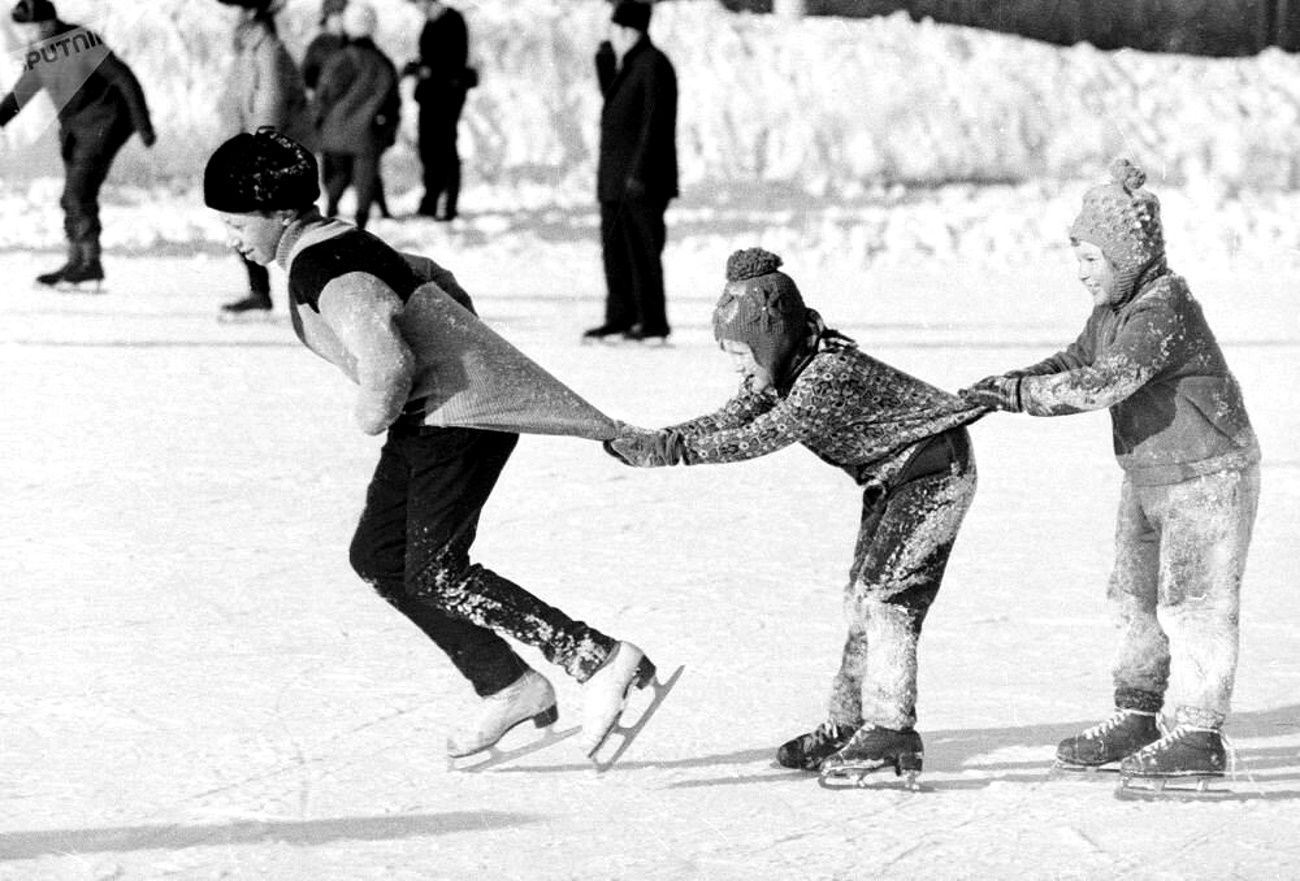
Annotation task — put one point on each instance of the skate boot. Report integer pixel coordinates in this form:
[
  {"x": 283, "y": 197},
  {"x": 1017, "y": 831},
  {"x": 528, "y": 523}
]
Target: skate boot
[
  {"x": 605, "y": 698},
  {"x": 89, "y": 269},
  {"x": 870, "y": 749},
  {"x": 1188, "y": 756},
  {"x": 807, "y": 751},
  {"x": 52, "y": 279},
  {"x": 530, "y": 697},
  {"x": 251, "y": 308},
  {"x": 1124, "y": 733}
]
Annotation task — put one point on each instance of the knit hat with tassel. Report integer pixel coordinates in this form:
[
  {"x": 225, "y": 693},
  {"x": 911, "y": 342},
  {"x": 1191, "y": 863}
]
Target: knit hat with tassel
[
  {"x": 1123, "y": 220},
  {"x": 761, "y": 307}
]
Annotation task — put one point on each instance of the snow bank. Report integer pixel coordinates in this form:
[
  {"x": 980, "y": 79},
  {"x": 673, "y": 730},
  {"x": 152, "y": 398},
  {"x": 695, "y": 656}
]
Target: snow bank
[{"x": 829, "y": 106}]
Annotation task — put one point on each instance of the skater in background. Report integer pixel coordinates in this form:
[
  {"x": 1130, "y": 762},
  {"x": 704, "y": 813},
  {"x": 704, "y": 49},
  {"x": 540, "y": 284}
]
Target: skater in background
[
  {"x": 636, "y": 176},
  {"x": 358, "y": 107},
  {"x": 263, "y": 87},
  {"x": 324, "y": 46},
  {"x": 443, "y": 78},
  {"x": 365, "y": 308},
  {"x": 99, "y": 104},
  {"x": 902, "y": 441},
  {"x": 1190, "y": 462}
]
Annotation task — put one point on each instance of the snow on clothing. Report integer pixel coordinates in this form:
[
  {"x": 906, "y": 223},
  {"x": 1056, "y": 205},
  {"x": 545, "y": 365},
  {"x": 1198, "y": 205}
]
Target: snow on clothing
[
  {"x": 99, "y": 104},
  {"x": 1176, "y": 410},
  {"x": 905, "y": 442},
  {"x": 430, "y": 485},
  {"x": 1190, "y": 492}
]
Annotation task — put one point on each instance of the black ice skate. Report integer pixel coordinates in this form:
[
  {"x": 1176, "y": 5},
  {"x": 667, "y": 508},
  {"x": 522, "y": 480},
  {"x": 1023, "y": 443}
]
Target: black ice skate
[
  {"x": 71, "y": 276},
  {"x": 1099, "y": 748},
  {"x": 870, "y": 749},
  {"x": 606, "y": 695},
  {"x": 254, "y": 307},
  {"x": 807, "y": 751},
  {"x": 1182, "y": 764},
  {"x": 528, "y": 698}
]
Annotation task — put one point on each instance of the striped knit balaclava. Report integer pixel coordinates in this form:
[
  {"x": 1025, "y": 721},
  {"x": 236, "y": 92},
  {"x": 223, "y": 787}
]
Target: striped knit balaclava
[
  {"x": 761, "y": 307},
  {"x": 1123, "y": 220}
]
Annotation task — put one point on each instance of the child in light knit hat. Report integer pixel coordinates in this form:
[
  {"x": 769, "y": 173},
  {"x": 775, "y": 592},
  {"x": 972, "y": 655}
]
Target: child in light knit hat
[
  {"x": 1191, "y": 485},
  {"x": 902, "y": 441}
]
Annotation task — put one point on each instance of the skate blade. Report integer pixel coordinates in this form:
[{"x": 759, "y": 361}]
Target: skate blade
[
  {"x": 629, "y": 733},
  {"x": 495, "y": 755},
  {"x": 859, "y": 777},
  {"x": 251, "y": 317},
  {"x": 1193, "y": 787},
  {"x": 74, "y": 287},
  {"x": 1083, "y": 773}
]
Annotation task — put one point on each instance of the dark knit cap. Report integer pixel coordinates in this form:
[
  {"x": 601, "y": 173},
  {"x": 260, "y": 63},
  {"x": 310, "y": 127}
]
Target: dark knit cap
[
  {"x": 332, "y": 7},
  {"x": 1123, "y": 220},
  {"x": 266, "y": 171},
  {"x": 761, "y": 307},
  {"x": 634, "y": 14},
  {"x": 33, "y": 11}
]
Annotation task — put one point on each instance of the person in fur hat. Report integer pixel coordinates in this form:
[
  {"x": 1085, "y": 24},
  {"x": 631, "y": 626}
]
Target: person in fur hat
[
  {"x": 99, "y": 104},
  {"x": 1190, "y": 462},
  {"x": 903, "y": 441},
  {"x": 372, "y": 312}
]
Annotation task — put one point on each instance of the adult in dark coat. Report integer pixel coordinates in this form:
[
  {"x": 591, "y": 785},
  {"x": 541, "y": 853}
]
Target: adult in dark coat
[
  {"x": 443, "y": 78},
  {"x": 99, "y": 103},
  {"x": 637, "y": 173},
  {"x": 357, "y": 112}
]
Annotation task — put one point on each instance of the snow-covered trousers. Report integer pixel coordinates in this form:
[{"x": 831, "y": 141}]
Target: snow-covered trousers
[
  {"x": 412, "y": 544},
  {"x": 906, "y": 536},
  {"x": 1180, "y": 551}
]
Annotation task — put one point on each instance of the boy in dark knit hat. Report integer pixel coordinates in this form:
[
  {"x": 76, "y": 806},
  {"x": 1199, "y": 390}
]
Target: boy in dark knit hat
[
  {"x": 900, "y": 439},
  {"x": 379, "y": 315},
  {"x": 99, "y": 104},
  {"x": 1191, "y": 484}
]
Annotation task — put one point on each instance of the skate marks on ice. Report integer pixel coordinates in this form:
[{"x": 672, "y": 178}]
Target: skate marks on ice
[
  {"x": 603, "y": 759},
  {"x": 496, "y": 754},
  {"x": 29, "y": 845}
]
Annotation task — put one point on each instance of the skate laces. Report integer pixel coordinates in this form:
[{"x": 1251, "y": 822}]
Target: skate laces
[
  {"x": 1106, "y": 726},
  {"x": 830, "y": 731},
  {"x": 1173, "y": 735}
]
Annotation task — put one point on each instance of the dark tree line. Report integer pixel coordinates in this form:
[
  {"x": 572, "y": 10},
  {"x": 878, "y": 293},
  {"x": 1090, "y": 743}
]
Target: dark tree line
[{"x": 1194, "y": 27}]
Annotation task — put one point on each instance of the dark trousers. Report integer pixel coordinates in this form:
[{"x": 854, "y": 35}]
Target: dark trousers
[
  {"x": 412, "y": 544},
  {"x": 360, "y": 170},
  {"x": 259, "y": 279},
  {"x": 439, "y": 154},
  {"x": 87, "y": 157},
  {"x": 633, "y": 236}
]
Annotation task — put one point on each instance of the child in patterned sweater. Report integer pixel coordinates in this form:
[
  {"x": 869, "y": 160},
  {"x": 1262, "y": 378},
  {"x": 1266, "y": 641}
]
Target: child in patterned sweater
[{"x": 902, "y": 440}]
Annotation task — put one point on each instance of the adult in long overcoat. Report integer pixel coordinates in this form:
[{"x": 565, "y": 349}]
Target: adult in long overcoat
[{"x": 637, "y": 173}]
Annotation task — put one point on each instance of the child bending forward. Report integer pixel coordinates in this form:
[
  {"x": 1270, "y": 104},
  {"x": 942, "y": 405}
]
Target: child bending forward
[{"x": 900, "y": 439}]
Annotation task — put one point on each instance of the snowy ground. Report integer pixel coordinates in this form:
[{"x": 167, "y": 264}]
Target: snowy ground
[{"x": 196, "y": 686}]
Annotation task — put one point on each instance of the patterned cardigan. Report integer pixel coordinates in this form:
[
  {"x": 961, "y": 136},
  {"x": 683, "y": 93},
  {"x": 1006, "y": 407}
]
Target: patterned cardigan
[{"x": 851, "y": 410}]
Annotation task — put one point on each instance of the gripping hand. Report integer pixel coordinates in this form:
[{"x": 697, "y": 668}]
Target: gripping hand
[
  {"x": 996, "y": 393},
  {"x": 645, "y": 448}
]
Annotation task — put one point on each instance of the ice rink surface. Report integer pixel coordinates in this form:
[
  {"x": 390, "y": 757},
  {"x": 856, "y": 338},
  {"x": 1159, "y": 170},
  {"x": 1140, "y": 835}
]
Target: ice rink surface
[{"x": 196, "y": 686}]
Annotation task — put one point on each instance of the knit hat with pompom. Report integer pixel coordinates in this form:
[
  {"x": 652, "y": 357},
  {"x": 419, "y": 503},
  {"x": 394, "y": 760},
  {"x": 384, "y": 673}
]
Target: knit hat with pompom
[
  {"x": 761, "y": 307},
  {"x": 1123, "y": 220}
]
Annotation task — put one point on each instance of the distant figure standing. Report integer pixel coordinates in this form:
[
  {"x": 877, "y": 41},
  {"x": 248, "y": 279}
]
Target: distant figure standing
[
  {"x": 320, "y": 50},
  {"x": 99, "y": 104},
  {"x": 637, "y": 173},
  {"x": 443, "y": 78},
  {"x": 263, "y": 87},
  {"x": 357, "y": 112}
]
